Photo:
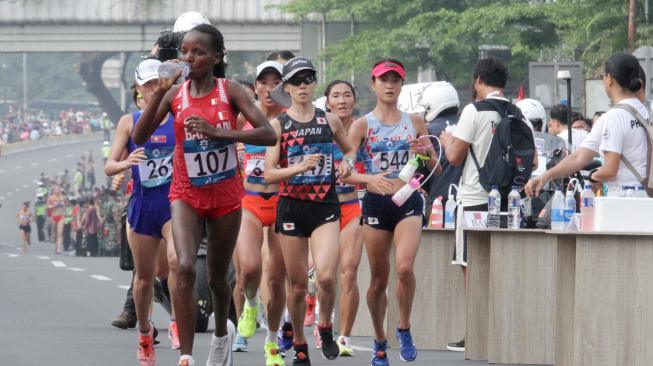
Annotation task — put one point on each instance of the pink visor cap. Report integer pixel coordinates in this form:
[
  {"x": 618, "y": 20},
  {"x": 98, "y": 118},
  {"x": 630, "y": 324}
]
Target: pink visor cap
[{"x": 388, "y": 66}]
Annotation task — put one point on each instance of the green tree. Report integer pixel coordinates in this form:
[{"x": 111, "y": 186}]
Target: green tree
[
  {"x": 444, "y": 34},
  {"x": 592, "y": 30}
]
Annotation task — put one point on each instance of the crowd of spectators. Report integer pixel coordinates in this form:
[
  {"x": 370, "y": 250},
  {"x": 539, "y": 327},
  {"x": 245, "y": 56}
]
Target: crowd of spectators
[{"x": 37, "y": 125}]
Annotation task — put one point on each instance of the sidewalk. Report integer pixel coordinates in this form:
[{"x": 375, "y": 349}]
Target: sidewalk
[{"x": 25, "y": 146}]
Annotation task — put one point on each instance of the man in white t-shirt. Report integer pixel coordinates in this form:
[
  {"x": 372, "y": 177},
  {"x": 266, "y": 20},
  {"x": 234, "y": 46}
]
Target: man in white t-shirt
[
  {"x": 559, "y": 126},
  {"x": 474, "y": 129}
]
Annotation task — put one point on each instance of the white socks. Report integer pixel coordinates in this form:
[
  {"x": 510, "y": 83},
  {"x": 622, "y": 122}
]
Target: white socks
[
  {"x": 272, "y": 336},
  {"x": 253, "y": 302}
]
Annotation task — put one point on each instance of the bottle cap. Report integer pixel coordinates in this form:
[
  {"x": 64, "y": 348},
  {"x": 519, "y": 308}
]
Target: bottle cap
[
  {"x": 414, "y": 183},
  {"x": 588, "y": 185}
]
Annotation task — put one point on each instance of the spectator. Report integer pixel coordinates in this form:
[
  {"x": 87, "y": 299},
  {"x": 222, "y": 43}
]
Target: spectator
[{"x": 559, "y": 124}]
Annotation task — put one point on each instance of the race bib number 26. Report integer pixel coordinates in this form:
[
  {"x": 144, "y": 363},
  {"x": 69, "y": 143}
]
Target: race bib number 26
[
  {"x": 157, "y": 169},
  {"x": 209, "y": 161}
]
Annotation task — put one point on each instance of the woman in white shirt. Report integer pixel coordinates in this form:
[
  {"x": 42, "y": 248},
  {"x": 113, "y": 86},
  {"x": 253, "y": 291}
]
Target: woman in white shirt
[{"x": 617, "y": 134}]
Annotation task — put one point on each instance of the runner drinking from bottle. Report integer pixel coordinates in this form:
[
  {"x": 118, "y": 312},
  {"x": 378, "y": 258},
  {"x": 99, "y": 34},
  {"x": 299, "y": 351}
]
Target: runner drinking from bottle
[
  {"x": 148, "y": 215},
  {"x": 207, "y": 185},
  {"x": 308, "y": 206},
  {"x": 259, "y": 212},
  {"x": 389, "y": 136}
]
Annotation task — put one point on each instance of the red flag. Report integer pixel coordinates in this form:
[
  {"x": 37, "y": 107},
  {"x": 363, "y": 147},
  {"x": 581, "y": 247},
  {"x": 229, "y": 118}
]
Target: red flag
[{"x": 521, "y": 94}]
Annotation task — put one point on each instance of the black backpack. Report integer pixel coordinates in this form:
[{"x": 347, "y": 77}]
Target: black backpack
[{"x": 509, "y": 161}]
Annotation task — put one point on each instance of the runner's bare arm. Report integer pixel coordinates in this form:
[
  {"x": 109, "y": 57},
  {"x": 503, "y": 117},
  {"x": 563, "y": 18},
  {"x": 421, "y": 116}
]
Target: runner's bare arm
[
  {"x": 154, "y": 113},
  {"x": 340, "y": 137},
  {"x": 115, "y": 163},
  {"x": 274, "y": 174},
  {"x": 424, "y": 143}
]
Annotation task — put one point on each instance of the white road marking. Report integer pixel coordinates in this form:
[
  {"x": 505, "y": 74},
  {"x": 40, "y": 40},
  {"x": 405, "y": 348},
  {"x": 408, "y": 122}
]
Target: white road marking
[
  {"x": 58, "y": 264},
  {"x": 70, "y": 155},
  {"x": 17, "y": 189},
  {"x": 101, "y": 277},
  {"x": 365, "y": 349},
  {"x": 2, "y": 198},
  {"x": 9, "y": 193},
  {"x": 52, "y": 160},
  {"x": 75, "y": 269},
  {"x": 2, "y": 171},
  {"x": 35, "y": 163},
  {"x": 43, "y": 257},
  {"x": 124, "y": 287},
  {"x": 17, "y": 167},
  {"x": 25, "y": 185},
  {"x": 11, "y": 255}
]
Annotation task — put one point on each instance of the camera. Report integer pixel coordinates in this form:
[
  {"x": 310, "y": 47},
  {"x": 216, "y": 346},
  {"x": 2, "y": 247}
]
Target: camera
[{"x": 169, "y": 43}]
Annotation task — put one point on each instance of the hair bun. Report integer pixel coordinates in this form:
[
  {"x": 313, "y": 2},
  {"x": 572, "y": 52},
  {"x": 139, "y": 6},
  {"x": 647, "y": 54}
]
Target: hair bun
[{"x": 635, "y": 84}]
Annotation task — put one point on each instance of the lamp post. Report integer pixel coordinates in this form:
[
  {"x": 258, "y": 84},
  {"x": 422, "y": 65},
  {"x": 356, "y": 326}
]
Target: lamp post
[{"x": 566, "y": 76}]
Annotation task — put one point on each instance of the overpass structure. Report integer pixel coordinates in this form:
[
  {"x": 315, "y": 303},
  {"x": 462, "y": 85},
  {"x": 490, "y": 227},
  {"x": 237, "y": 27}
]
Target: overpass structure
[{"x": 134, "y": 25}]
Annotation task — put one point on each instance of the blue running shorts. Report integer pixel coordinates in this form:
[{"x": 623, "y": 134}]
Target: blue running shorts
[{"x": 146, "y": 216}]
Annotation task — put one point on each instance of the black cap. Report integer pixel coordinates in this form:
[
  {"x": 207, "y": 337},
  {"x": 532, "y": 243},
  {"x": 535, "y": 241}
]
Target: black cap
[{"x": 293, "y": 66}]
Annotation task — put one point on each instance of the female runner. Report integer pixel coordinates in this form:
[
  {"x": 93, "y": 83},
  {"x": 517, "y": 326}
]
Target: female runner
[
  {"x": 388, "y": 136},
  {"x": 148, "y": 215},
  {"x": 206, "y": 185},
  {"x": 308, "y": 207}
]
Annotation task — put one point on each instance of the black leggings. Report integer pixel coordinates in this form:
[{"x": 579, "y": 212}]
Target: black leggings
[{"x": 92, "y": 244}]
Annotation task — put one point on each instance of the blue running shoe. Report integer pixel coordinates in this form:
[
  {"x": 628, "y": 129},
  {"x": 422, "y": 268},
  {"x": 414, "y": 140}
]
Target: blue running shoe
[
  {"x": 285, "y": 337},
  {"x": 407, "y": 350},
  {"x": 380, "y": 357},
  {"x": 240, "y": 344}
]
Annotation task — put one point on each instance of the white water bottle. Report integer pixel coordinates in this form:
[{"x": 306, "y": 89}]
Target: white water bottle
[
  {"x": 494, "y": 208},
  {"x": 557, "y": 210},
  {"x": 169, "y": 69},
  {"x": 437, "y": 214},
  {"x": 450, "y": 213},
  {"x": 587, "y": 208},
  {"x": 514, "y": 209},
  {"x": 405, "y": 192},
  {"x": 409, "y": 169},
  {"x": 570, "y": 205}
]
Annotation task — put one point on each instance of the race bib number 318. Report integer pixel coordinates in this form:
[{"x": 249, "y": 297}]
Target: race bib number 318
[{"x": 209, "y": 161}]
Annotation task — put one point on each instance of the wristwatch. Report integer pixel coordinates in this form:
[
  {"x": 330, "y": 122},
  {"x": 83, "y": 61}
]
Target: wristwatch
[
  {"x": 350, "y": 162},
  {"x": 590, "y": 176}
]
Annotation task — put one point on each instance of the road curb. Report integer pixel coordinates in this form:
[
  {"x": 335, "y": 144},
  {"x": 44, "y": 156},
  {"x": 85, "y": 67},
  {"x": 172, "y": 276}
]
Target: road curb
[{"x": 27, "y": 146}]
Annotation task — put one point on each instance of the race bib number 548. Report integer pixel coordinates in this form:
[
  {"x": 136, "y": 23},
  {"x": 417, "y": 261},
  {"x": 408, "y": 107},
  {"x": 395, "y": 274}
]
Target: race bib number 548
[{"x": 209, "y": 161}]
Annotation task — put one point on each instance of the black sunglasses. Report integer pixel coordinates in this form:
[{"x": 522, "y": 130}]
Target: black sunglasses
[{"x": 298, "y": 80}]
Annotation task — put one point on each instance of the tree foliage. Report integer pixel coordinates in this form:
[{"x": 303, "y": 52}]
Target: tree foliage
[{"x": 448, "y": 35}]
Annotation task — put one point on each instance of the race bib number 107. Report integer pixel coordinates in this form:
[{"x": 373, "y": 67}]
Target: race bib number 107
[{"x": 209, "y": 161}]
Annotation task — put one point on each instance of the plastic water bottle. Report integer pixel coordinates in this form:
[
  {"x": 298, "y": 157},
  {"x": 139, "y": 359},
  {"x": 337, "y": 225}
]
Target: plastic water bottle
[
  {"x": 405, "y": 192},
  {"x": 494, "y": 208},
  {"x": 409, "y": 169},
  {"x": 514, "y": 208},
  {"x": 557, "y": 210},
  {"x": 640, "y": 191},
  {"x": 587, "y": 208},
  {"x": 450, "y": 213},
  {"x": 436, "y": 213},
  {"x": 169, "y": 69},
  {"x": 628, "y": 191},
  {"x": 570, "y": 205}
]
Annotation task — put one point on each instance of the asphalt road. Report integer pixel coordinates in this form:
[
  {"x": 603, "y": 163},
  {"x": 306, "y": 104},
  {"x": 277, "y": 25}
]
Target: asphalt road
[{"x": 56, "y": 310}]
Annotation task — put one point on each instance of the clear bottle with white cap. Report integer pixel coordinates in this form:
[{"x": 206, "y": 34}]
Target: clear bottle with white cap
[{"x": 170, "y": 69}]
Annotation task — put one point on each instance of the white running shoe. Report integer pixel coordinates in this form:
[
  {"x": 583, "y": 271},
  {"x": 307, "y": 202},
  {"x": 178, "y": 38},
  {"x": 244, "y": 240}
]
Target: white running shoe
[
  {"x": 186, "y": 360},
  {"x": 220, "y": 349}
]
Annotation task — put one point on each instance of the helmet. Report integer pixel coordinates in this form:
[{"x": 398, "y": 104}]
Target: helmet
[
  {"x": 188, "y": 21},
  {"x": 532, "y": 109},
  {"x": 437, "y": 97}
]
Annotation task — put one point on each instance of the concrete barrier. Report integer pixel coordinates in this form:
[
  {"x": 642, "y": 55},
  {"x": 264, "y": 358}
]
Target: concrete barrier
[{"x": 26, "y": 146}]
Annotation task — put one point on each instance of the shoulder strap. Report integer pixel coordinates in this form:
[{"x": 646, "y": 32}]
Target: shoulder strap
[{"x": 645, "y": 124}]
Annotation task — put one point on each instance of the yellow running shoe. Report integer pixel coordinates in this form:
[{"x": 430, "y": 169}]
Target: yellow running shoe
[
  {"x": 345, "y": 348},
  {"x": 247, "y": 322},
  {"x": 273, "y": 355}
]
